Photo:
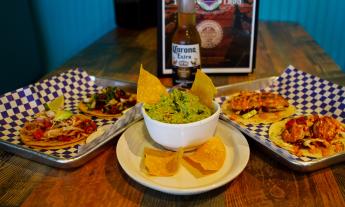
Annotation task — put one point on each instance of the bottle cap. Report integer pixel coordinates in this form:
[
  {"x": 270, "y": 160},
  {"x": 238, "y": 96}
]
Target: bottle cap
[{"x": 186, "y": 6}]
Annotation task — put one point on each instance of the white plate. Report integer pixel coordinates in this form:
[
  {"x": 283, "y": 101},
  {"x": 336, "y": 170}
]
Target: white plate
[{"x": 130, "y": 150}]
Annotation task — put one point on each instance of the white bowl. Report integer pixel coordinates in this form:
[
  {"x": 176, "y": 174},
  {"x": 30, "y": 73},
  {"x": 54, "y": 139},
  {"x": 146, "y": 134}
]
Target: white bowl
[{"x": 188, "y": 136}]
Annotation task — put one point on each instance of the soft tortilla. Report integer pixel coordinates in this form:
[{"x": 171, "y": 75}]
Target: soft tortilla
[
  {"x": 260, "y": 118},
  {"x": 277, "y": 129},
  {"x": 97, "y": 113},
  {"x": 55, "y": 144},
  {"x": 52, "y": 144}
]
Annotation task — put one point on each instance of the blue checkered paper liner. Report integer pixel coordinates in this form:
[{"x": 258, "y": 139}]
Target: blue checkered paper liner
[
  {"x": 19, "y": 106},
  {"x": 309, "y": 94}
]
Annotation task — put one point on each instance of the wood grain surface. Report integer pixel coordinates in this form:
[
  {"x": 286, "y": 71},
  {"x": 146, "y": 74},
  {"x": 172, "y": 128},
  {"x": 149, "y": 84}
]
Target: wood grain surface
[{"x": 102, "y": 182}]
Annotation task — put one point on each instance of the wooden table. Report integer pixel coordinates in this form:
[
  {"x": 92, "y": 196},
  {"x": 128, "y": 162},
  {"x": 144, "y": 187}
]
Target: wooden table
[{"x": 102, "y": 182}]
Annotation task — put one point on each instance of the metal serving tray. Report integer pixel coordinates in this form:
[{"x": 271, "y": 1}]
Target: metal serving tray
[
  {"x": 314, "y": 101},
  {"x": 72, "y": 156}
]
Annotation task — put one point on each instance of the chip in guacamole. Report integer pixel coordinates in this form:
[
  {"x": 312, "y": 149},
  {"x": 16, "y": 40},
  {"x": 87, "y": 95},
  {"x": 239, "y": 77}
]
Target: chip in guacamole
[{"x": 179, "y": 107}]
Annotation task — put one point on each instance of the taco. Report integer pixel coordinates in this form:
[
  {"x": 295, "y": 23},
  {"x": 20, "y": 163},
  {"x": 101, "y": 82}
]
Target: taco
[
  {"x": 249, "y": 107},
  {"x": 47, "y": 131},
  {"x": 309, "y": 136},
  {"x": 110, "y": 102}
]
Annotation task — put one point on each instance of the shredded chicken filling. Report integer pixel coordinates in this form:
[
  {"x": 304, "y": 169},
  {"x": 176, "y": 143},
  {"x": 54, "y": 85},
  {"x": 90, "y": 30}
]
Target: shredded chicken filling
[{"x": 45, "y": 128}]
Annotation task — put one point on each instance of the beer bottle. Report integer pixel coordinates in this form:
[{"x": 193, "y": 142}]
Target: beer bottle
[{"x": 185, "y": 45}]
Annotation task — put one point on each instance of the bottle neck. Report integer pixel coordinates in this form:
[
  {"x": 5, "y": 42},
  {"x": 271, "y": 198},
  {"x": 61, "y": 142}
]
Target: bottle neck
[
  {"x": 186, "y": 6},
  {"x": 186, "y": 19}
]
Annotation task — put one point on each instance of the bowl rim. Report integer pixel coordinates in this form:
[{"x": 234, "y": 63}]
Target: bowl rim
[{"x": 195, "y": 123}]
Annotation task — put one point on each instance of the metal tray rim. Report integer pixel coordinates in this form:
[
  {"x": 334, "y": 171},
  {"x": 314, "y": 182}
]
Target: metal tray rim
[
  {"x": 74, "y": 161},
  {"x": 302, "y": 166}
]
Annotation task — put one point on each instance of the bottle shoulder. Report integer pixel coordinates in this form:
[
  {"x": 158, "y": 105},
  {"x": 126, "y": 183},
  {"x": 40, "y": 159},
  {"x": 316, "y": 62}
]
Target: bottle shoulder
[{"x": 186, "y": 36}]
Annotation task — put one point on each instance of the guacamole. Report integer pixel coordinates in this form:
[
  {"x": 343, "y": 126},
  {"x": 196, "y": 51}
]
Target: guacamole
[{"x": 178, "y": 107}]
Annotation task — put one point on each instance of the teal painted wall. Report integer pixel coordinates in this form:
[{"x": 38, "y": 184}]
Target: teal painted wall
[
  {"x": 324, "y": 20},
  {"x": 65, "y": 27},
  {"x": 39, "y": 35},
  {"x": 20, "y": 62}
]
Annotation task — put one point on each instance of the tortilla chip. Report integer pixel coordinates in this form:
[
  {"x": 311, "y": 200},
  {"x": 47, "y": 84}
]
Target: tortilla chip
[
  {"x": 97, "y": 113},
  {"x": 150, "y": 89},
  {"x": 162, "y": 163},
  {"x": 195, "y": 168},
  {"x": 209, "y": 157},
  {"x": 260, "y": 118},
  {"x": 203, "y": 88}
]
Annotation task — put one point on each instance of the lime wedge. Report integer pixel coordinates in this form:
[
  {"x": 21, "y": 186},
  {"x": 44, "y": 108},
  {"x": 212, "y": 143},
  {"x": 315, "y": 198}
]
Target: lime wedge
[
  {"x": 249, "y": 114},
  {"x": 56, "y": 104},
  {"x": 62, "y": 115}
]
